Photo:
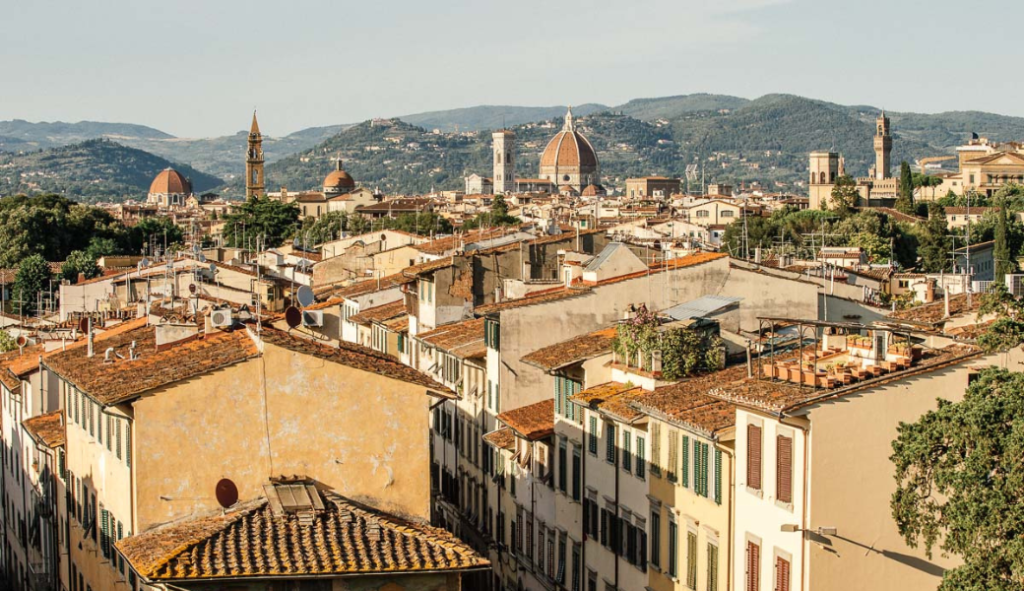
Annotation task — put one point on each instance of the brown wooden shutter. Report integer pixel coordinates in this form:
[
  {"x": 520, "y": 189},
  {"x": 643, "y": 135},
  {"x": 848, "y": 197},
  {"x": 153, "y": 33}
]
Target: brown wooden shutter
[
  {"x": 753, "y": 567},
  {"x": 754, "y": 456},
  {"x": 784, "y": 469},
  {"x": 781, "y": 574}
]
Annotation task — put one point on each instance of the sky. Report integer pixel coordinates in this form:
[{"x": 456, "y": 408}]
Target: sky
[{"x": 197, "y": 68}]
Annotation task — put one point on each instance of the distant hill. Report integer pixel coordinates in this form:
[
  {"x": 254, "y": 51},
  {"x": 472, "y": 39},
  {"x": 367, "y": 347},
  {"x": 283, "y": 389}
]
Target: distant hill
[
  {"x": 765, "y": 139},
  {"x": 670, "y": 107},
  {"x": 58, "y": 133},
  {"x": 492, "y": 117},
  {"x": 94, "y": 170}
]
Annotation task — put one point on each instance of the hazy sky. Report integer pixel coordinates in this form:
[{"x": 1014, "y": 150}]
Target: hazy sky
[{"x": 197, "y": 68}]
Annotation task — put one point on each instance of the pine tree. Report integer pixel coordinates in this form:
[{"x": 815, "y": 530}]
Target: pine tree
[
  {"x": 905, "y": 201},
  {"x": 934, "y": 241},
  {"x": 1004, "y": 263}
]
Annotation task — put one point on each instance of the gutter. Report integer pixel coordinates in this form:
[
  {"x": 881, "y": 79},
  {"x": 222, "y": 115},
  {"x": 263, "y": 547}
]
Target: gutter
[{"x": 805, "y": 572}]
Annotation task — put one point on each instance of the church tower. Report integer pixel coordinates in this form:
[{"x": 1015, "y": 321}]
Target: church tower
[
  {"x": 883, "y": 148},
  {"x": 254, "y": 186},
  {"x": 504, "y": 161}
]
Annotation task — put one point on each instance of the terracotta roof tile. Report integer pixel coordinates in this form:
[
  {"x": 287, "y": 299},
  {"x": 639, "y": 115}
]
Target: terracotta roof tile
[
  {"x": 448, "y": 243},
  {"x": 364, "y": 287},
  {"x": 540, "y": 297},
  {"x": 534, "y": 421},
  {"x": 399, "y": 324},
  {"x": 47, "y": 429},
  {"x": 427, "y": 267},
  {"x": 612, "y": 397},
  {"x": 688, "y": 403},
  {"x": 352, "y": 355},
  {"x": 113, "y": 383},
  {"x": 574, "y": 350},
  {"x": 248, "y": 540},
  {"x": 935, "y": 312},
  {"x": 463, "y": 339},
  {"x": 503, "y": 438},
  {"x": 379, "y": 313}
]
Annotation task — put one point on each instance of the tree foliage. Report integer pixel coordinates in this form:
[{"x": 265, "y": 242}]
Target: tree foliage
[
  {"x": 328, "y": 226},
  {"x": 684, "y": 351},
  {"x": 905, "y": 201},
  {"x": 33, "y": 276},
  {"x": 959, "y": 483},
  {"x": 7, "y": 342},
  {"x": 497, "y": 216},
  {"x": 79, "y": 263},
  {"x": 1007, "y": 330},
  {"x": 844, "y": 195},
  {"x": 935, "y": 246},
  {"x": 268, "y": 219}
]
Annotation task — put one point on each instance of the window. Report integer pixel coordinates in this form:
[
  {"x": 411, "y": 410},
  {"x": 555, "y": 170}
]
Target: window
[
  {"x": 718, "y": 476},
  {"x": 700, "y": 468},
  {"x": 492, "y": 334},
  {"x": 591, "y": 580},
  {"x": 753, "y": 567},
  {"x": 728, "y": 213},
  {"x": 691, "y": 559},
  {"x": 673, "y": 456},
  {"x": 627, "y": 456},
  {"x": 784, "y": 469},
  {"x": 781, "y": 574},
  {"x": 592, "y": 436},
  {"x": 575, "y": 578},
  {"x": 703, "y": 213},
  {"x": 656, "y": 536},
  {"x": 561, "y": 558},
  {"x": 640, "y": 457},
  {"x": 128, "y": 445},
  {"x": 754, "y": 457},
  {"x": 673, "y": 550},
  {"x": 656, "y": 449},
  {"x": 712, "y": 567},
  {"x": 563, "y": 467},
  {"x": 577, "y": 476},
  {"x": 609, "y": 455}
]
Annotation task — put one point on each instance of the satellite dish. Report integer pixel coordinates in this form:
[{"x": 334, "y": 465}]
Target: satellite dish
[
  {"x": 22, "y": 340},
  {"x": 292, "y": 316},
  {"x": 195, "y": 248},
  {"x": 227, "y": 493},
  {"x": 383, "y": 237},
  {"x": 305, "y": 296},
  {"x": 202, "y": 258},
  {"x": 192, "y": 288},
  {"x": 144, "y": 262},
  {"x": 83, "y": 325},
  {"x": 213, "y": 269}
]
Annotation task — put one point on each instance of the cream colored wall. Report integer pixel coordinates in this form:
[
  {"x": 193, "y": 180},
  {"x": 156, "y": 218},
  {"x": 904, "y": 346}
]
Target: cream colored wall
[
  {"x": 852, "y": 483},
  {"x": 360, "y": 434}
]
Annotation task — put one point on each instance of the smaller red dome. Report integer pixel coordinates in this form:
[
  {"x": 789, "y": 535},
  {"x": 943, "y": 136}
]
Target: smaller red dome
[{"x": 170, "y": 181}]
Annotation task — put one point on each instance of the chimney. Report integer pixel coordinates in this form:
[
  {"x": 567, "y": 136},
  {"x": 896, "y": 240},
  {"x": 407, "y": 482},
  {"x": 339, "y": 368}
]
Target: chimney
[
  {"x": 89, "y": 352},
  {"x": 946, "y": 298}
]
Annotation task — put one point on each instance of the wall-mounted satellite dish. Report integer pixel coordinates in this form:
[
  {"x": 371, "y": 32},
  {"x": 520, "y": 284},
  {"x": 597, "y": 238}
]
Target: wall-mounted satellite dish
[
  {"x": 192, "y": 288},
  {"x": 293, "y": 317},
  {"x": 196, "y": 249},
  {"x": 202, "y": 258},
  {"x": 22, "y": 340},
  {"x": 383, "y": 237},
  {"x": 305, "y": 296},
  {"x": 213, "y": 269},
  {"x": 227, "y": 493},
  {"x": 83, "y": 325},
  {"x": 144, "y": 263}
]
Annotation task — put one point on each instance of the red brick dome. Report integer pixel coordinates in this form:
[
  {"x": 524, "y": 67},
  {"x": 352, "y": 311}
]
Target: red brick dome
[{"x": 170, "y": 181}]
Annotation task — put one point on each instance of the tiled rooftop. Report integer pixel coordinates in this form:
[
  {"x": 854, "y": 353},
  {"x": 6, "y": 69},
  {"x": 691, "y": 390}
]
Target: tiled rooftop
[
  {"x": 935, "y": 312},
  {"x": 503, "y": 438},
  {"x": 574, "y": 350},
  {"x": 463, "y": 339},
  {"x": 124, "y": 379},
  {"x": 427, "y": 267},
  {"x": 615, "y": 398},
  {"x": 687, "y": 402},
  {"x": 352, "y": 355},
  {"x": 448, "y": 243},
  {"x": 379, "y": 313},
  {"x": 534, "y": 421},
  {"x": 252, "y": 540},
  {"x": 47, "y": 429},
  {"x": 541, "y": 297}
]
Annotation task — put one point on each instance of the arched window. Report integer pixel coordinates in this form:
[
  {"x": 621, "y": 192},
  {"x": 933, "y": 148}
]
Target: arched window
[
  {"x": 814, "y": 177},
  {"x": 823, "y": 177},
  {"x": 832, "y": 176},
  {"x": 498, "y": 157},
  {"x": 508, "y": 156}
]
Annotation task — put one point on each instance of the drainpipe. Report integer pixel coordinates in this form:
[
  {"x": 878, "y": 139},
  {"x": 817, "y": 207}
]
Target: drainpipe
[
  {"x": 615, "y": 467},
  {"x": 803, "y": 513},
  {"x": 730, "y": 527}
]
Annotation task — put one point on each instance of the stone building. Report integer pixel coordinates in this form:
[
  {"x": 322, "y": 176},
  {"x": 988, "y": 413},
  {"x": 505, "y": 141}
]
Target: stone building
[
  {"x": 569, "y": 159},
  {"x": 170, "y": 188}
]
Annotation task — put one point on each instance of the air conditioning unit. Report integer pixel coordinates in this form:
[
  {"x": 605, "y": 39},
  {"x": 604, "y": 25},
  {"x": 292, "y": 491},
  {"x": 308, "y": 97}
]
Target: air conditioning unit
[
  {"x": 312, "y": 318},
  {"x": 222, "y": 318}
]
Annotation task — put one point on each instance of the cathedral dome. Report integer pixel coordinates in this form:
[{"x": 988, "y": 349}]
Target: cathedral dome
[
  {"x": 170, "y": 181},
  {"x": 339, "y": 180},
  {"x": 569, "y": 150}
]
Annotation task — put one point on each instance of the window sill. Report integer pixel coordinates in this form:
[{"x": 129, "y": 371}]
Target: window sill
[
  {"x": 755, "y": 491},
  {"x": 783, "y": 505}
]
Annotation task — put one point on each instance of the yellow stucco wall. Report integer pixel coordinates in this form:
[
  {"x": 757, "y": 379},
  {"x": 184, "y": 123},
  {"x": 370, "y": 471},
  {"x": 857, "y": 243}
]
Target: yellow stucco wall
[{"x": 361, "y": 434}]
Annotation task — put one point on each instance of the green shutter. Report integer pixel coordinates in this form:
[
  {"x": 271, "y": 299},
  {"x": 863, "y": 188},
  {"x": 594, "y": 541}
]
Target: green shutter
[
  {"x": 686, "y": 461},
  {"x": 718, "y": 476},
  {"x": 558, "y": 395},
  {"x": 128, "y": 444},
  {"x": 704, "y": 469},
  {"x": 105, "y": 531}
]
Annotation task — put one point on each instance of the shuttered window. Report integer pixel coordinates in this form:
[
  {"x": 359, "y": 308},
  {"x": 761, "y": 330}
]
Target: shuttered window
[
  {"x": 753, "y": 569},
  {"x": 673, "y": 549},
  {"x": 718, "y": 476},
  {"x": 673, "y": 455},
  {"x": 781, "y": 574},
  {"x": 754, "y": 456},
  {"x": 700, "y": 468},
  {"x": 640, "y": 458},
  {"x": 656, "y": 449},
  {"x": 610, "y": 446},
  {"x": 656, "y": 537},
  {"x": 117, "y": 431},
  {"x": 784, "y": 469},
  {"x": 627, "y": 453},
  {"x": 128, "y": 445},
  {"x": 691, "y": 560},
  {"x": 685, "y": 469},
  {"x": 712, "y": 567},
  {"x": 592, "y": 436}
]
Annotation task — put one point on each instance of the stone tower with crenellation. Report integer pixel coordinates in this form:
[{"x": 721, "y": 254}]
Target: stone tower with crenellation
[
  {"x": 883, "y": 149},
  {"x": 254, "y": 185}
]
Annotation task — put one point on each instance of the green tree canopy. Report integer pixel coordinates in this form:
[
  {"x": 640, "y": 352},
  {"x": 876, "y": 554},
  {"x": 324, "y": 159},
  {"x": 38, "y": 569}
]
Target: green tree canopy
[
  {"x": 33, "y": 277},
  {"x": 905, "y": 201},
  {"x": 959, "y": 472},
  {"x": 79, "y": 262},
  {"x": 7, "y": 342},
  {"x": 272, "y": 220},
  {"x": 844, "y": 195},
  {"x": 935, "y": 245}
]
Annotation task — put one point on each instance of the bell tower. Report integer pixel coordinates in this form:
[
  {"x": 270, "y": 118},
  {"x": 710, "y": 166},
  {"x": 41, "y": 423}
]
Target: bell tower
[
  {"x": 254, "y": 185},
  {"x": 504, "y": 161},
  {"x": 883, "y": 148}
]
